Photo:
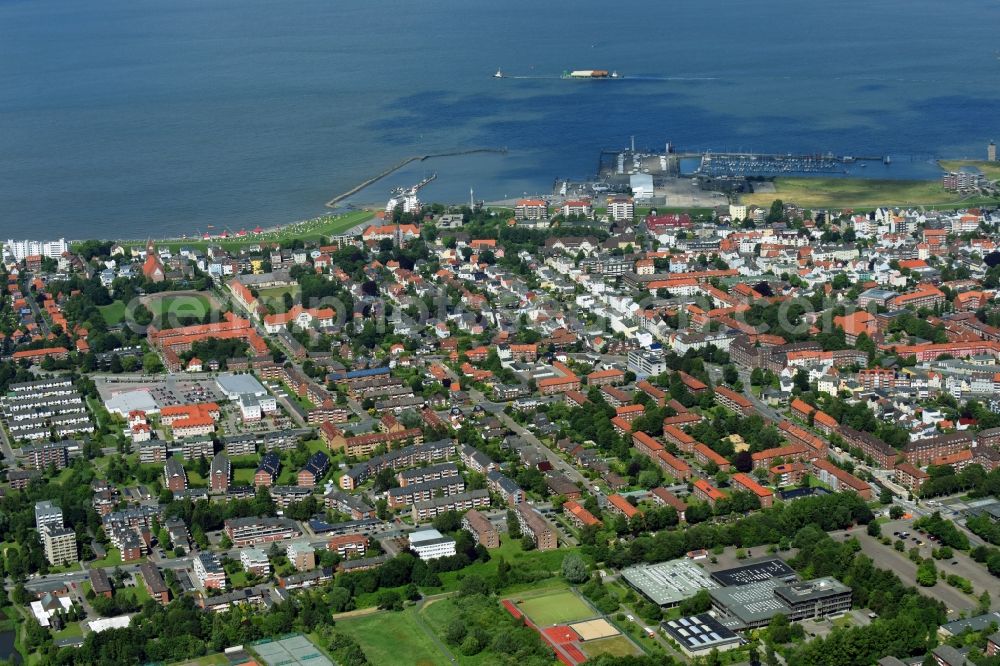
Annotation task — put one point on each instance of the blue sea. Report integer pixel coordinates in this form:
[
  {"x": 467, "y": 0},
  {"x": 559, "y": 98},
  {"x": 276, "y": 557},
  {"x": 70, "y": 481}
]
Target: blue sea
[{"x": 130, "y": 118}]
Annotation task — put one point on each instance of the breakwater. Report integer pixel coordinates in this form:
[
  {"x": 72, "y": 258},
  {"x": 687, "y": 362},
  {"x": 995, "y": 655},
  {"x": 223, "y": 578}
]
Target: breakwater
[{"x": 332, "y": 203}]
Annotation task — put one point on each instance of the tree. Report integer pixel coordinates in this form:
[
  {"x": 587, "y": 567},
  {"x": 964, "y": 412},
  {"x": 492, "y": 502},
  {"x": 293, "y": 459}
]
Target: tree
[
  {"x": 527, "y": 543},
  {"x": 389, "y": 600},
  {"x": 984, "y": 604},
  {"x": 896, "y": 512},
  {"x": 574, "y": 569},
  {"x": 701, "y": 602},
  {"x": 927, "y": 573},
  {"x": 513, "y": 526}
]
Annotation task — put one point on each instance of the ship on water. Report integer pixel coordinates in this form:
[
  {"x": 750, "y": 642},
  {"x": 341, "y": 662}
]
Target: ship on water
[{"x": 590, "y": 74}]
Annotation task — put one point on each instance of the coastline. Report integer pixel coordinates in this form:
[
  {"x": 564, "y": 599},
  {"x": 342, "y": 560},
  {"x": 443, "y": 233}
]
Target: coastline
[{"x": 365, "y": 212}]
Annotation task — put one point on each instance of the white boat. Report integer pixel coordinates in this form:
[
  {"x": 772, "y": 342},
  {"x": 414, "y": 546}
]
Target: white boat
[{"x": 499, "y": 74}]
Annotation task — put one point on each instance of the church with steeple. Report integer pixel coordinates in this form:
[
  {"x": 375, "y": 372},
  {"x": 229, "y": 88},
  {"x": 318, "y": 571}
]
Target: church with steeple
[{"x": 152, "y": 268}]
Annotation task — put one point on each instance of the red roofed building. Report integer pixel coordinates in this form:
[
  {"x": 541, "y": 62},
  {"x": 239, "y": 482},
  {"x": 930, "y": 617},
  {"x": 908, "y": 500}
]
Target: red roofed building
[
  {"x": 704, "y": 455},
  {"x": 621, "y": 426},
  {"x": 578, "y": 515},
  {"x": 645, "y": 444},
  {"x": 824, "y": 422},
  {"x": 301, "y": 317},
  {"x": 789, "y": 474},
  {"x": 910, "y": 477},
  {"x": 818, "y": 448},
  {"x": 924, "y": 296},
  {"x": 531, "y": 209},
  {"x": 672, "y": 465},
  {"x": 694, "y": 386},
  {"x": 765, "y": 459},
  {"x": 958, "y": 461},
  {"x": 620, "y": 505},
  {"x": 664, "y": 497},
  {"x": 744, "y": 482},
  {"x": 610, "y": 376},
  {"x": 567, "y": 382},
  {"x": 839, "y": 480},
  {"x": 35, "y": 355},
  {"x": 630, "y": 412},
  {"x": 855, "y": 324},
  {"x": 152, "y": 268},
  {"x": 654, "y": 392},
  {"x": 706, "y": 492},
  {"x": 683, "y": 441},
  {"x": 733, "y": 401}
]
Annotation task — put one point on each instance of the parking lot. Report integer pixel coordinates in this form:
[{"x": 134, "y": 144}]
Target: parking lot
[
  {"x": 960, "y": 563},
  {"x": 174, "y": 389}
]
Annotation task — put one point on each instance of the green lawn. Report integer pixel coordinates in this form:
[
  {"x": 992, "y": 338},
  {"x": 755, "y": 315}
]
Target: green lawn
[
  {"x": 113, "y": 314},
  {"x": 275, "y": 296},
  {"x": 243, "y": 476},
  {"x": 554, "y": 607},
  {"x": 309, "y": 230},
  {"x": 617, "y": 646},
  {"x": 548, "y": 561},
  {"x": 859, "y": 193},
  {"x": 140, "y": 592},
  {"x": 386, "y": 637},
  {"x": 113, "y": 559},
  {"x": 238, "y": 579},
  {"x": 180, "y": 305}
]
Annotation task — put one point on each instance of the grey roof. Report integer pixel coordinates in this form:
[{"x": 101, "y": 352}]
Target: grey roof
[
  {"x": 432, "y": 484},
  {"x": 754, "y": 572},
  {"x": 977, "y": 623},
  {"x": 700, "y": 632},
  {"x": 242, "y": 384},
  {"x": 173, "y": 467},
  {"x": 749, "y": 603},
  {"x": 951, "y": 656},
  {"x": 668, "y": 583}
]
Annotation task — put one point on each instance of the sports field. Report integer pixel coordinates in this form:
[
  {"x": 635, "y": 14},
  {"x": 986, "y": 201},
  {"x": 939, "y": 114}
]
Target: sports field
[
  {"x": 560, "y": 607},
  {"x": 386, "y": 637},
  {"x": 617, "y": 646}
]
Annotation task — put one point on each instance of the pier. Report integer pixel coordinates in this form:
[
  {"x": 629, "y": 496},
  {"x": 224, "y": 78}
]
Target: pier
[
  {"x": 332, "y": 203},
  {"x": 724, "y": 164}
]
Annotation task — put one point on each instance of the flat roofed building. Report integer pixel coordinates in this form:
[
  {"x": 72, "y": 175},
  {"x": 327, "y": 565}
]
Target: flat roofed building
[
  {"x": 431, "y": 544},
  {"x": 747, "y": 606},
  {"x": 700, "y": 634},
  {"x": 47, "y": 514},
  {"x": 815, "y": 598},
  {"x": 60, "y": 545},
  {"x": 754, "y": 572},
  {"x": 666, "y": 584},
  {"x": 254, "y": 561},
  {"x": 209, "y": 571}
]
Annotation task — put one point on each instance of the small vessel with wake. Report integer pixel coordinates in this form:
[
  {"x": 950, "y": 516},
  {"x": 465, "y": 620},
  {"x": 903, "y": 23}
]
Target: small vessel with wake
[{"x": 499, "y": 74}]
